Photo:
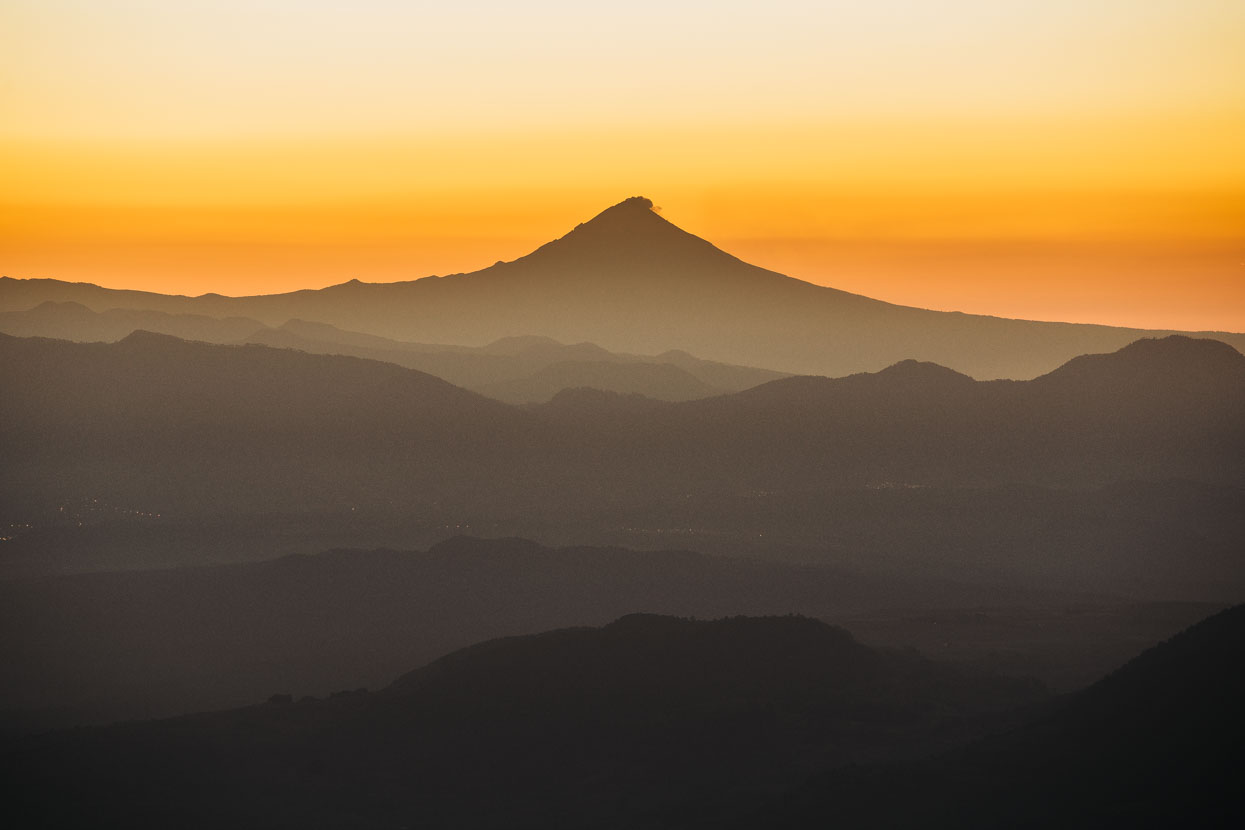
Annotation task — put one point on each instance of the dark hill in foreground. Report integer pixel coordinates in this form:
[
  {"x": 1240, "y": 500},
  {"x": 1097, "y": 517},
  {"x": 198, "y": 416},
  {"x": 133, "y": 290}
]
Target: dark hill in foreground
[
  {"x": 648, "y": 721},
  {"x": 1159, "y": 743},
  {"x": 631, "y": 281},
  {"x": 666, "y": 723},
  {"x": 92, "y": 648}
]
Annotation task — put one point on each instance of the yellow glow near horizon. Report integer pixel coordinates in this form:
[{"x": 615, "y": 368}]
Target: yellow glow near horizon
[{"x": 913, "y": 151}]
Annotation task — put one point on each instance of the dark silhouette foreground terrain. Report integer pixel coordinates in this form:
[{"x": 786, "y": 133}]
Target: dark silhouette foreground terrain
[
  {"x": 1159, "y": 743},
  {"x": 140, "y": 644},
  {"x": 645, "y": 722},
  {"x": 661, "y": 722}
]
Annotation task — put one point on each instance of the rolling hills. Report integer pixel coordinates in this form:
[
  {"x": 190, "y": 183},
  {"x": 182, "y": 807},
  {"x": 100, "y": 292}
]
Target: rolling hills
[
  {"x": 1120, "y": 471},
  {"x": 631, "y": 724},
  {"x": 662, "y": 722}
]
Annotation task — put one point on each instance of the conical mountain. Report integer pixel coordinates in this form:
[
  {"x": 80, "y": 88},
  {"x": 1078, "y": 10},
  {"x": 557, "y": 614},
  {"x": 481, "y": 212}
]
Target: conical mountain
[
  {"x": 628, "y": 280},
  {"x": 631, "y": 246}
]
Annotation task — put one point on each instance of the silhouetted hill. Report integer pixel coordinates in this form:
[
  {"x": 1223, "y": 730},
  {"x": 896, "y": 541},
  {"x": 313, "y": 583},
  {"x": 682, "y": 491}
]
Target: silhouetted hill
[
  {"x": 174, "y": 425},
  {"x": 674, "y": 664},
  {"x": 922, "y": 425},
  {"x": 74, "y": 321},
  {"x": 659, "y": 381},
  {"x": 1156, "y": 744},
  {"x": 545, "y": 348},
  {"x": 324, "y": 334},
  {"x": 106, "y": 646},
  {"x": 527, "y": 369},
  {"x": 631, "y": 281},
  {"x": 644, "y": 722},
  {"x": 574, "y": 404},
  {"x": 1182, "y": 366},
  {"x": 907, "y": 466}
]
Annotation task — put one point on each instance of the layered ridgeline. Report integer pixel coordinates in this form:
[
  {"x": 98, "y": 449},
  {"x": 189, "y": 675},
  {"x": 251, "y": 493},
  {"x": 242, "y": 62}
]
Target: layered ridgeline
[
  {"x": 667, "y": 723},
  {"x": 649, "y": 721},
  {"x": 150, "y": 416},
  {"x": 630, "y": 281},
  {"x": 100, "y": 647},
  {"x": 514, "y": 369},
  {"x": 1123, "y": 468},
  {"x": 1154, "y": 745}
]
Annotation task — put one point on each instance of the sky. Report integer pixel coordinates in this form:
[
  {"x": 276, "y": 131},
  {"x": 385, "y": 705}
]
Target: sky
[{"x": 1050, "y": 160}]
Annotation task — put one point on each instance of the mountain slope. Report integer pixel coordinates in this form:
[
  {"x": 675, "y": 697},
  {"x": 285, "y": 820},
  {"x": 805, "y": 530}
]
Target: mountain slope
[
  {"x": 1125, "y": 479},
  {"x": 106, "y": 646},
  {"x": 74, "y": 321},
  {"x": 1157, "y": 743},
  {"x": 520, "y": 369},
  {"x": 660, "y": 381},
  {"x": 632, "y": 724},
  {"x": 630, "y": 281},
  {"x": 1133, "y": 414},
  {"x": 168, "y": 423},
  {"x": 509, "y": 366},
  {"x": 160, "y": 415}
]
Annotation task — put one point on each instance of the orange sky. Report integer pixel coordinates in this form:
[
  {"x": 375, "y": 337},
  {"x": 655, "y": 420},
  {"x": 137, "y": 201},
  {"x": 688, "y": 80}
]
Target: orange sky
[{"x": 1055, "y": 160}]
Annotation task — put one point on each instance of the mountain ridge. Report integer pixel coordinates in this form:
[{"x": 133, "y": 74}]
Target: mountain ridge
[
  {"x": 1156, "y": 742},
  {"x": 512, "y": 365},
  {"x": 631, "y": 281},
  {"x": 194, "y": 429},
  {"x": 622, "y": 725}
]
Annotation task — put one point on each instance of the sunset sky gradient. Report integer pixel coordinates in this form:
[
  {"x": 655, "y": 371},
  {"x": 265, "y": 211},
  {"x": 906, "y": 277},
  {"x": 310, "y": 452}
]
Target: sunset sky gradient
[{"x": 1053, "y": 160}]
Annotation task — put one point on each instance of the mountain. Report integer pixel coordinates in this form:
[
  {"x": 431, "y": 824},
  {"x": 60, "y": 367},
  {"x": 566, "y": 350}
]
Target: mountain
[
  {"x": 631, "y": 281},
  {"x": 109, "y": 646},
  {"x": 167, "y": 413},
  {"x": 1156, "y": 410},
  {"x": 1158, "y": 741},
  {"x": 179, "y": 426},
  {"x": 1123, "y": 474},
  {"x": 514, "y": 369},
  {"x": 660, "y": 381},
  {"x": 74, "y": 321},
  {"x": 528, "y": 369},
  {"x": 642, "y": 722}
]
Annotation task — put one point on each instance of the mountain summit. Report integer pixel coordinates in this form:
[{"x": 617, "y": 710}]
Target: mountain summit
[
  {"x": 630, "y": 281},
  {"x": 630, "y": 245},
  {"x": 629, "y": 209}
]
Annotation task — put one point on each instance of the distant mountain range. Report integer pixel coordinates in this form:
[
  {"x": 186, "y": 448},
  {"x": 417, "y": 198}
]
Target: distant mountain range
[
  {"x": 74, "y": 321},
  {"x": 514, "y": 369},
  {"x": 660, "y": 722},
  {"x": 632, "y": 282},
  {"x": 1119, "y": 470},
  {"x": 150, "y": 416}
]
